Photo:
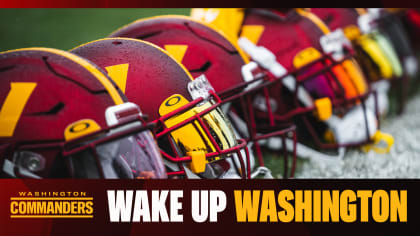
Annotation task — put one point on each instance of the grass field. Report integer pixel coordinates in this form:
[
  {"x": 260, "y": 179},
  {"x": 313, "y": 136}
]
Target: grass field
[{"x": 67, "y": 28}]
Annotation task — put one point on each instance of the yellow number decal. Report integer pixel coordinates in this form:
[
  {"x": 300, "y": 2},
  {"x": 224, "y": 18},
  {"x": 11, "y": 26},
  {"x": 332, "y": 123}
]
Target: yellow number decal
[
  {"x": 13, "y": 106},
  {"x": 177, "y": 51},
  {"x": 252, "y": 32},
  {"x": 119, "y": 74}
]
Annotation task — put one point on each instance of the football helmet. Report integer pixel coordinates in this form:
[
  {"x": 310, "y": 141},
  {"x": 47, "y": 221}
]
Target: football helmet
[
  {"x": 391, "y": 26},
  {"x": 318, "y": 85},
  {"x": 194, "y": 136},
  {"x": 382, "y": 47},
  {"x": 62, "y": 117},
  {"x": 202, "y": 49}
]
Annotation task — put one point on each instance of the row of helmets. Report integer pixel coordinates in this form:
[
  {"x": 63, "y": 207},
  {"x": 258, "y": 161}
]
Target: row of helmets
[{"x": 200, "y": 96}]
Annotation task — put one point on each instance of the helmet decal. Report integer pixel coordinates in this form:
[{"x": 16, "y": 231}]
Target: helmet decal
[
  {"x": 172, "y": 103},
  {"x": 177, "y": 51},
  {"x": 80, "y": 128},
  {"x": 351, "y": 32},
  {"x": 229, "y": 20},
  {"x": 305, "y": 57},
  {"x": 119, "y": 74},
  {"x": 252, "y": 32},
  {"x": 13, "y": 106}
]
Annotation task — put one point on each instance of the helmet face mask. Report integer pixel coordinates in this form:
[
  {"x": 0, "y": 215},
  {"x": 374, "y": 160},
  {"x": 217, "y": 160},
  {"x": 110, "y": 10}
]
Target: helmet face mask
[
  {"x": 82, "y": 144},
  {"x": 194, "y": 136},
  {"x": 269, "y": 112},
  {"x": 320, "y": 77},
  {"x": 320, "y": 90},
  {"x": 382, "y": 49},
  {"x": 205, "y": 131},
  {"x": 124, "y": 151}
]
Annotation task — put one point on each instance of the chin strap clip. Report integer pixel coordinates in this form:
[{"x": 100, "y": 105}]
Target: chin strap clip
[
  {"x": 262, "y": 171},
  {"x": 382, "y": 143},
  {"x": 198, "y": 161}
]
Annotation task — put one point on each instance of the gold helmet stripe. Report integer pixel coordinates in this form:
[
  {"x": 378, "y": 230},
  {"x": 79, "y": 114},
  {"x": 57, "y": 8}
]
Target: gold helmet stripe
[{"x": 314, "y": 19}]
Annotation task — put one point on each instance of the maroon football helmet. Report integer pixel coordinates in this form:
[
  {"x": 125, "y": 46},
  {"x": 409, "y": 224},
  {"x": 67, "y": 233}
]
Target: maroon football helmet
[
  {"x": 205, "y": 50},
  {"x": 62, "y": 117},
  {"x": 323, "y": 68},
  {"x": 382, "y": 48},
  {"x": 194, "y": 136},
  {"x": 267, "y": 98},
  {"x": 327, "y": 101}
]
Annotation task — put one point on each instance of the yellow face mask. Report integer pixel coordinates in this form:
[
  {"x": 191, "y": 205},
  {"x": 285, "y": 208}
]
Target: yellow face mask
[
  {"x": 193, "y": 139},
  {"x": 348, "y": 73},
  {"x": 376, "y": 54}
]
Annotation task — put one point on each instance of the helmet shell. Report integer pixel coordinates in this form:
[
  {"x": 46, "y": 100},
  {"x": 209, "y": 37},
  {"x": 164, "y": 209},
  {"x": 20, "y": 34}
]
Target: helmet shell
[
  {"x": 207, "y": 50},
  {"x": 151, "y": 74},
  {"x": 48, "y": 90},
  {"x": 67, "y": 89}
]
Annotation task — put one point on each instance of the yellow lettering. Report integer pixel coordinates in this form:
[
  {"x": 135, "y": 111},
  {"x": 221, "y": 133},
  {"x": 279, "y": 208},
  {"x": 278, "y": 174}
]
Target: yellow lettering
[
  {"x": 288, "y": 213},
  {"x": 348, "y": 210},
  {"x": 247, "y": 205},
  {"x": 303, "y": 205},
  {"x": 398, "y": 206},
  {"x": 330, "y": 207},
  {"x": 380, "y": 206},
  {"x": 268, "y": 206}
]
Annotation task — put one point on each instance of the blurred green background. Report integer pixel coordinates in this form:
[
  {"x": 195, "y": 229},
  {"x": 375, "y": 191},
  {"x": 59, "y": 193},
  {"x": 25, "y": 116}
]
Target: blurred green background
[{"x": 67, "y": 28}]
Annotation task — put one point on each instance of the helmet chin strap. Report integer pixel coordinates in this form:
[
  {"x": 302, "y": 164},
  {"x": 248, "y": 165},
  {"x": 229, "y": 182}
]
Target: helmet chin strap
[{"x": 174, "y": 167}]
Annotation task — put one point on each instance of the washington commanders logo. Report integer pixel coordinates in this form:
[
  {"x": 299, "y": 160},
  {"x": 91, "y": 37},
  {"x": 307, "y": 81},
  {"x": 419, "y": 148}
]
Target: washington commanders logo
[{"x": 51, "y": 205}]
